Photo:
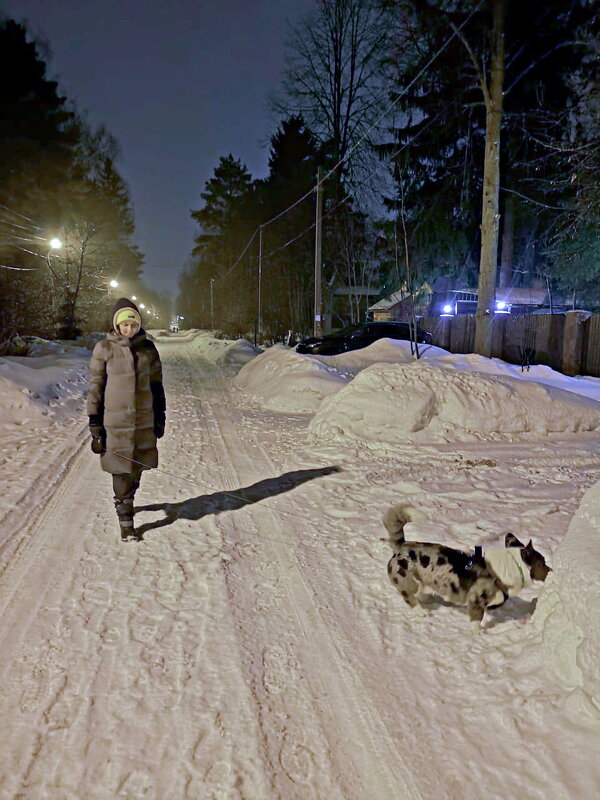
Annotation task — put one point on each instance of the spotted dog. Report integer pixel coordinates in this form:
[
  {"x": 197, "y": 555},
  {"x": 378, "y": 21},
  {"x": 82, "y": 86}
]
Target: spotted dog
[{"x": 474, "y": 580}]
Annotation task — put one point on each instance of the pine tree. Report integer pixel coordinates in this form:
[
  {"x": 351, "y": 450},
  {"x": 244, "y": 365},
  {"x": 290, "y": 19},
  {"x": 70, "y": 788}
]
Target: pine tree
[{"x": 227, "y": 221}]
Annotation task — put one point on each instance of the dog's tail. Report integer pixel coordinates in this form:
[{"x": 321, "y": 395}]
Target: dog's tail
[{"x": 396, "y": 517}]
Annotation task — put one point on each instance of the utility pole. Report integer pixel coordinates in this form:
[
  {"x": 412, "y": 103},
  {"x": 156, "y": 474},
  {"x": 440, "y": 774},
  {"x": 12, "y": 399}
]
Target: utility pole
[
  {"x": 259, "y": 316},
  {"x": 490, "y": 216},
  {"x": 212, "y": 305},
  {"x": 318, "y": 317}
]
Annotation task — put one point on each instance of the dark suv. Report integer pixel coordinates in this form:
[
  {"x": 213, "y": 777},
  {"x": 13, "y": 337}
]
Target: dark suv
[{"x": 362, "y": 335}]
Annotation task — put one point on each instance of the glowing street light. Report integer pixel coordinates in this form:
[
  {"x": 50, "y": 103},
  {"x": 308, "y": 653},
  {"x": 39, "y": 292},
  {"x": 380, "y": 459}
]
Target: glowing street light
[
  {"x": 142, "y": 305},
  {"x": 133, "y": 297},
  {"x": 114, "y": 284},
  {"x": 55, "y": 244}
]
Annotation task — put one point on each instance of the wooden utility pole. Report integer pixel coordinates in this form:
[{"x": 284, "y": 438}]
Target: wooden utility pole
[
  {"x": 212, "y": 306},
  {"x": 490, "y": 217},
  {"x": 318, "y": 315},
  {"x": 259, "y": 315}
]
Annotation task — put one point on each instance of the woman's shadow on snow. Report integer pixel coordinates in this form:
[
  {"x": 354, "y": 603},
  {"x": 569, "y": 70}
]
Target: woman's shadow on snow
[{"x": 197, "y": 507}]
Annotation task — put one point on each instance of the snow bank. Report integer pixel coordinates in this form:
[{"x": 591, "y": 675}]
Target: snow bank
[
  {"x": 34, "y": 388},
  {"x": 568, "y": 610},
  {"x": 45, "y": 347},
  {"x": 283, "y": 380},
  {"x": 162, "y": 335},
  {"x": 222, "y": 351},
  {"x": 389, "y": 404},
  {"x": 389, "y": 351},
  {"x": 393, "y": 351}
]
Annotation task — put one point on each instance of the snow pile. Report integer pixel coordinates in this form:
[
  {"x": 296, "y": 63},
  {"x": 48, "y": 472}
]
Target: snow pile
[
  {"x": 389, "y": 351},
  {"x": 393, "y": 351},
  {"x": 162, "y": 335},
  {"x": 224, "y": 351},
  {"x": 283, "y": 380},
  {"x": 45, "y": 347},
  {"x": 568, "y": 611},
  {"x": 34, "y": 388},
  {"x": 395, "y": 403}
]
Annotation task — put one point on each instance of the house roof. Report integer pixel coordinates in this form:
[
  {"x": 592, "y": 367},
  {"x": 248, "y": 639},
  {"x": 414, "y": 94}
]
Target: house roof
[{"x": 388, "y": 302}]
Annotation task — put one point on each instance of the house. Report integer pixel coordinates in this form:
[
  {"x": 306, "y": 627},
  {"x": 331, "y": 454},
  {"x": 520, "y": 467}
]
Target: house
[
  {"x": 399, "y": 305},
  {"x": 509, "y": 300}
]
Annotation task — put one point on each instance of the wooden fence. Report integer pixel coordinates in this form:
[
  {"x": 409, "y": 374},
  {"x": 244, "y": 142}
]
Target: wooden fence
[{"x": 569, "y": 343}]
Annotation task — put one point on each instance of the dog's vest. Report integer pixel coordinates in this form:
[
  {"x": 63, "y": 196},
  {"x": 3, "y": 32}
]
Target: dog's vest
[{"x": 508, "y": 566}]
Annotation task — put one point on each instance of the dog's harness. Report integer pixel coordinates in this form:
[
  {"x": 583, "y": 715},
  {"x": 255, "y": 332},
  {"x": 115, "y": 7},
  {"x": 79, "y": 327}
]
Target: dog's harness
[
  {"x": 519, "y": 568},
  {"x": 476, "y": 559}
]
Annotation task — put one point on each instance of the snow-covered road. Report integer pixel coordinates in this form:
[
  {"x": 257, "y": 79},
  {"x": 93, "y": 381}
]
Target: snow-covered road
[{"x": 251, "y": 646}]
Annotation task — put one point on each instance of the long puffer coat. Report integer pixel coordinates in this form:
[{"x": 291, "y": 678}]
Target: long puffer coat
[{"x": 126, "y": 398}]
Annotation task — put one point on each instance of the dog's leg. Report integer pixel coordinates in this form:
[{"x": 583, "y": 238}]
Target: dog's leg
[{"x": 476, "y": 608}]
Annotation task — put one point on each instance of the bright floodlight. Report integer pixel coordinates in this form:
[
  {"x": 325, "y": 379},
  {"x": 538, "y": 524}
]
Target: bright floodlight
[
  {"x": 55, "y": 244},
  {"x": 114, "y": 284},
  {"x": 500, "y": 305},
  {"x": 447, "y": 309},
  {"x": 142, "y": 305}
]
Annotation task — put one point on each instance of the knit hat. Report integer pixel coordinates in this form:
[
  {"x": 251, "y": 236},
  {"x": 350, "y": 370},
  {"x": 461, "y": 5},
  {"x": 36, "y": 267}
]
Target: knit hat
[{"x": 125, "y": 310}]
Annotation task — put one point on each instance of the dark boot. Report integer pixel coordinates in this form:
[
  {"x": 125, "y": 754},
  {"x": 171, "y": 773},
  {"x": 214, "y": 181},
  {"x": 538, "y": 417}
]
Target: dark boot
[
  {"x": 125, "y": 514},
  {"x": 128, "y": 533}
]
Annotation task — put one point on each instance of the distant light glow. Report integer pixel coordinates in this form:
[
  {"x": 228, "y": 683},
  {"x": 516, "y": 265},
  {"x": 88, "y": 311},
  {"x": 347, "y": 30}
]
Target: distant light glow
[
  {"x": 133, "y": 297},
  {"x": 55, "y": 244},
  {"x": 142, "y": 305},
  {"x": 500, "y": 305},
  {"x": 114, "y": 284},
  {"x": 447, "y": 309}
]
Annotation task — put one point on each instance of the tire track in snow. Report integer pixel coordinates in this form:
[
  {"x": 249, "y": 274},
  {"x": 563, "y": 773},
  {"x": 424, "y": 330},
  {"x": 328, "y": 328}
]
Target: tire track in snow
[
  {"x": 377, "y": 766},
  {"x": 114, "y": 656}
]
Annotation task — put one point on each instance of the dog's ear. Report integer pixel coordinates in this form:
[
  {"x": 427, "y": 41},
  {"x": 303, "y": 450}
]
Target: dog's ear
[
  {"x": 530, "y": 548},
  {"x": 510, "y": 540}
]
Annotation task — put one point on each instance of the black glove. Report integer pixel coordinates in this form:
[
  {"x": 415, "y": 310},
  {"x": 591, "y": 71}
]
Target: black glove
[
  {"x": 98, "y": 432},
  {"x": 98, "y": 446},
  {"x": 159, "y": 432}
]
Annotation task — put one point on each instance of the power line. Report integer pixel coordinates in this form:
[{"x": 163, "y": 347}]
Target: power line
[
  {"x": 16, "y": 213},
  {"x": 352, "y": 150},
  {"x": 20, "y": 269}
]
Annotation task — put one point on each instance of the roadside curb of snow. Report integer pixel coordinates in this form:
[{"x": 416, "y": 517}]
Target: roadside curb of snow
[{"x": 568, "y": 611}]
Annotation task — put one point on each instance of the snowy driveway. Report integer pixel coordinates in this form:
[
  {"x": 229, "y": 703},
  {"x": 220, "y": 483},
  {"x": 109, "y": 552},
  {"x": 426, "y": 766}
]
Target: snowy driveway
[{"x": 251, "y": 647}]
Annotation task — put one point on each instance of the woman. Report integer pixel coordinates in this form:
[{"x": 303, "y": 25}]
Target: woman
[{"x": 126, "y": 407}]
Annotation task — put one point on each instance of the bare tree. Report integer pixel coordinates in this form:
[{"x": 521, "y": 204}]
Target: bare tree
[{"x": 333, "y": 75}]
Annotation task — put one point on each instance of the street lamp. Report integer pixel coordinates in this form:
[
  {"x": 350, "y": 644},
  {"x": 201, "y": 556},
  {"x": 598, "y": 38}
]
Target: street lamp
[
  {"x": 133, "y": 297},
  {"x": 142, "y": 305},
  {"x": 55, "y": 244},
  {"x": 114, "y": 284}
]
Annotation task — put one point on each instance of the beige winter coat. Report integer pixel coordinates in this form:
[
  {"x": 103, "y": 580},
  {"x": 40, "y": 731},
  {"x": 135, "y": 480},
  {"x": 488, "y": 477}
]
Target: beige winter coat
[{"x": 124, "y": 376}]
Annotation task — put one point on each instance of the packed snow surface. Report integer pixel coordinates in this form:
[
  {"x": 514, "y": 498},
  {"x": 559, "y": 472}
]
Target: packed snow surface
[{"x": 251, "y": 646}]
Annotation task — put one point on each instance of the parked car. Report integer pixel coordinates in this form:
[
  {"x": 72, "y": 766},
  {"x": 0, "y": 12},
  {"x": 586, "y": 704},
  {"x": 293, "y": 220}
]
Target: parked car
[{"x": 361, "y": 335}]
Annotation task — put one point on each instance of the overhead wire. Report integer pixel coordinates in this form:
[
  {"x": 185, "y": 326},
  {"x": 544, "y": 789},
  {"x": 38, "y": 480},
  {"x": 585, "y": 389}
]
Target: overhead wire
[
  {"x": 354, "y": 147},
  {"x": 389, "y": 158}
]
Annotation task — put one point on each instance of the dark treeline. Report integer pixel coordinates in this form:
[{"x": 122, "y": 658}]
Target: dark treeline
[
  {"x": 405, "y": 206},
  {"x": 58, "y": 181}
]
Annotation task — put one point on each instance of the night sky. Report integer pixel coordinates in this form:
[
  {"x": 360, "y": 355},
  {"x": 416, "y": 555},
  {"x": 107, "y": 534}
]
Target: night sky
[{"x": 179, "y": 84}]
